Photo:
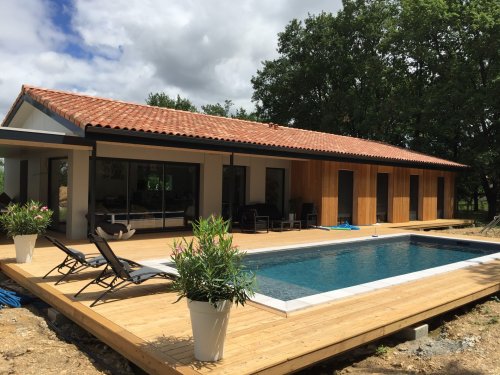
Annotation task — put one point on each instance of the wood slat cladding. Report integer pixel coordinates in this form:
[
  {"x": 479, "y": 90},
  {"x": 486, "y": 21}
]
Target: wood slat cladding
[{"x": 317, "y": 181}]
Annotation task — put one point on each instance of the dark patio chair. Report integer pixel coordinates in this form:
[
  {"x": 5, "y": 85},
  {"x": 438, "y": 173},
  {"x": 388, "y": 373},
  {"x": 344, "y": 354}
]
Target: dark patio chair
[
  {"x": 308, "y": 215},
  {"x": 119, "y": 272},
  {"x": 251, "y": 221},
  {"x": 74, "y": 262}
]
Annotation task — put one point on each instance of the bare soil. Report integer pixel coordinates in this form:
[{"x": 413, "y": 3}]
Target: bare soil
[
  {"x": 465, "y": 341},
  {"x": 31, "y": 344}
]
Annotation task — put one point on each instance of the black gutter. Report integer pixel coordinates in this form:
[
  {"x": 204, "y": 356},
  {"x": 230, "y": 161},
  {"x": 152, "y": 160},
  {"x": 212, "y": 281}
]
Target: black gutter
[
  {"x": 11, "y": 134},
  {"x": 165, "y": 140}
]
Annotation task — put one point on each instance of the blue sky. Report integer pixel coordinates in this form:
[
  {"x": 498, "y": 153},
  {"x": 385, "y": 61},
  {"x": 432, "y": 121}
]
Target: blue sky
[{"x": 206, "y": 50}]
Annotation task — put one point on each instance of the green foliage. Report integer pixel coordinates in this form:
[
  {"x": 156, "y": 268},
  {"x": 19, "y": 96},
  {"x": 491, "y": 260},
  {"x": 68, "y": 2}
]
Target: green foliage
[
  {"x": 225, "y": 111},
  {"x": 218, "y": 109},
  {"x": 160, "y": 99},
  {"x": 423, "y": 74},
  {"x": 210, "y": 267},
  {"x": 31, "y": 218},
  {"x": 381, "y": 350}
]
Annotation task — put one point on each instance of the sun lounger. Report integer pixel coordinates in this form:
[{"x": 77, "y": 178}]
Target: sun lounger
[{"x": 119, "y": 273}]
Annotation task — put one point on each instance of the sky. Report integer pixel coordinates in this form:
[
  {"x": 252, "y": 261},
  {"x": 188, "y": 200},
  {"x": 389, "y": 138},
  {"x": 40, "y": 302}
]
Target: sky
[{"x": 205, "y": 50}]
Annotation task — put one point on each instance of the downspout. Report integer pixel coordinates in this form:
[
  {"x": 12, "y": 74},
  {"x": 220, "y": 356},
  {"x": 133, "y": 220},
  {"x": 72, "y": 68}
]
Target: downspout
[
  {"x": 92, "y": 183},
  {"x": 231, "y": 190}
]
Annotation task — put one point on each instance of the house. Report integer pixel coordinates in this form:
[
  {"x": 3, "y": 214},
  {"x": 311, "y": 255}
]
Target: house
[{"x": 160, "y": 168}]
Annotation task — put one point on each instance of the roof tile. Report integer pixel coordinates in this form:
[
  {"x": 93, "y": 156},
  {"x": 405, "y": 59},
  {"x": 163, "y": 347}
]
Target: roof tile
[{"x": 84, "y": 111}]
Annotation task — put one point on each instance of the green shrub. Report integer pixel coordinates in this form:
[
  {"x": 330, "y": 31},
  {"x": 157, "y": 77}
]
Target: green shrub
[
  {"x": 31, "y": 218},
  {"x": 210, "y": 268}
]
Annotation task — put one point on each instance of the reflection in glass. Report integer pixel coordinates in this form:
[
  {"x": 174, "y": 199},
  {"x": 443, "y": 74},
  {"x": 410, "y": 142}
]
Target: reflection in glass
[
  {"x": 58, "y": 200},
  {"x": 180, "y": 194},
  {"x": 275, "y": 188},
  {"x": 148, "y": 195},
  {"x": 238, "y": 192},
  {"x": 145, "y": 194}
]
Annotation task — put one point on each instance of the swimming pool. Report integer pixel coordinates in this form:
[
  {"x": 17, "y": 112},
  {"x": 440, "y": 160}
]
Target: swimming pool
[
  {"x": 294, "y": 278},
  {"x": 297, "y": 277}
]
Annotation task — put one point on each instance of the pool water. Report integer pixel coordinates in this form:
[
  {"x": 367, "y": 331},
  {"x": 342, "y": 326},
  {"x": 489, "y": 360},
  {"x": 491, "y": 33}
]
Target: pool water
[{"x": 292, "y": 274}]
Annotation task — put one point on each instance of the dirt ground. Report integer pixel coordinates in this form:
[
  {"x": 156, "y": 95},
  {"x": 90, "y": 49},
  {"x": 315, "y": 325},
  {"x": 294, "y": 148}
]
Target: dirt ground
[
  {"x": 465, "y": 341},
  {"x": 31, "y": 344}
]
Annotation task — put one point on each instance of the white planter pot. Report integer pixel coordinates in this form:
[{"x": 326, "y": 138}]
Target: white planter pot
[
  {"x": 25, "y": 244},
  {"x": 209, "y": 326}
]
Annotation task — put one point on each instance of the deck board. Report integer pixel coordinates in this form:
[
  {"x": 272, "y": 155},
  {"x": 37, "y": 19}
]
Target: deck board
[{"x": 145, "y": 325}]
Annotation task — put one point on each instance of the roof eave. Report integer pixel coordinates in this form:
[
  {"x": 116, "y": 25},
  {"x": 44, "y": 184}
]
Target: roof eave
[{"x": 167, "y": 140}]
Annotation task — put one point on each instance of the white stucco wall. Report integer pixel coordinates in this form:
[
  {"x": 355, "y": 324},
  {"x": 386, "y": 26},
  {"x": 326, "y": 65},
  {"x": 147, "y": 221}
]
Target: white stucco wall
[
  {"x": 78, "y": 193},
  {"x": 28, "y": 117}
]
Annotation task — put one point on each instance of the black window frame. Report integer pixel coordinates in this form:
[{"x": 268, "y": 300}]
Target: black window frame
[{"x": 128, "y": 162}]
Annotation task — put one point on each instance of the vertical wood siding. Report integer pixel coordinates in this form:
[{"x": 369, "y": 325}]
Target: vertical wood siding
[{"x": 317, "y": 182}]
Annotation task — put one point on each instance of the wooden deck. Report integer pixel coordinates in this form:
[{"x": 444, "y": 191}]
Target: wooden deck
[
  {"x": 432, "y": 224},
  {"x": 144, "y": 324}
]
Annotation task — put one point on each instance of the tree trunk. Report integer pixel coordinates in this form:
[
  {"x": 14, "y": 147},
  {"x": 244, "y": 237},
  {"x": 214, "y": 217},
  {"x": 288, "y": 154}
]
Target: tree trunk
[{"x": 476, "y": 201}]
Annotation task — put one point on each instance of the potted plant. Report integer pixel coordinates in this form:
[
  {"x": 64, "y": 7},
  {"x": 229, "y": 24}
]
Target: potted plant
[
  {"x": 24, "y": 223},
  {"x": 212, "y": 277}
]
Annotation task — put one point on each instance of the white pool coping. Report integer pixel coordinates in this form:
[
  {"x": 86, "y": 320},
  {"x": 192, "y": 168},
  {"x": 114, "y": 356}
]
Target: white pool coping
[{"x": 320, "y": 298}]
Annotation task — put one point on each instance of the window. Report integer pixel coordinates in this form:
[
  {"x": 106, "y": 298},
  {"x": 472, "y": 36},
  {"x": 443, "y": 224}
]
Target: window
[{"x": 148, "y": 195}]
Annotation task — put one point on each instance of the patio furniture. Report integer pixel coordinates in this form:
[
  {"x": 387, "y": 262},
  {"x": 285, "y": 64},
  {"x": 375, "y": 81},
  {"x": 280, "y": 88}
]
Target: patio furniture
[
  {"x": 308, "y": 215},
  {"x": 258, "y": 216},
  {"x": 74, "y": 262},
  {"x": 281, "y": 225},
  {"x": 251, "y": 221},
  {"x": 119, "y": 273},
  {"x": 112, "y": 231}
]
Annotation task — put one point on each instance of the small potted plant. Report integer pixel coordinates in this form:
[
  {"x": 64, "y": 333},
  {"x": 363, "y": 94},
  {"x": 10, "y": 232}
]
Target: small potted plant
[
  {"x": 24, "y": 223},
  {"x": 212, "y": 277}
]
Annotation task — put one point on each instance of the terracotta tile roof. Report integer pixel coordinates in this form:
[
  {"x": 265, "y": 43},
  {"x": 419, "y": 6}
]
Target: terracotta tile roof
[{"x": 85, "y": 111}]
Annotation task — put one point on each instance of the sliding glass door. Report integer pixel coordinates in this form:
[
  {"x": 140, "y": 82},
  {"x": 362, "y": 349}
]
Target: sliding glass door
[
  {"x": 345, "y": 196},
  {"x": 148, "y": 195},
  {"x": 58, "y": 192},
  {"x": 236, "y": 188},
  {"x": 414, "y": 199},
  {"x": 382, "y": 197},
  {"x": 275, "y": 188}
]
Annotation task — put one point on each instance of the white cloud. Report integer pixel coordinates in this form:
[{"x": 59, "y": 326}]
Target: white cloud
[{"x": 206, "y": 50}]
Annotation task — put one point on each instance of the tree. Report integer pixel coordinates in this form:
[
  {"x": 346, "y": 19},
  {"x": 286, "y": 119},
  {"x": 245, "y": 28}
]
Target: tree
[
  {"x": 225, "y": 111},
  {"x": 242, "y": 114},
  {"x": 416, "y": 73},
  {"x": 218, "y": 109},
  {"x": 160, "y": 99}
]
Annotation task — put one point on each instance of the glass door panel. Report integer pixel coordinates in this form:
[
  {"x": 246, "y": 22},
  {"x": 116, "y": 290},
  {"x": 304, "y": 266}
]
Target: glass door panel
[
  {"x": 58, "y": 192},
  {"x": 382, "y": 197},
  {"x": 111, "y": 191},
  {"x": 345, "y": 196},
  {"x": 181, "y": 194},
  {"x": 146, "y": 195},
  {"x": 275, "y": 188},
  {"x": 238, "y": 191},
  {"x": 414, "y": 180}
]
